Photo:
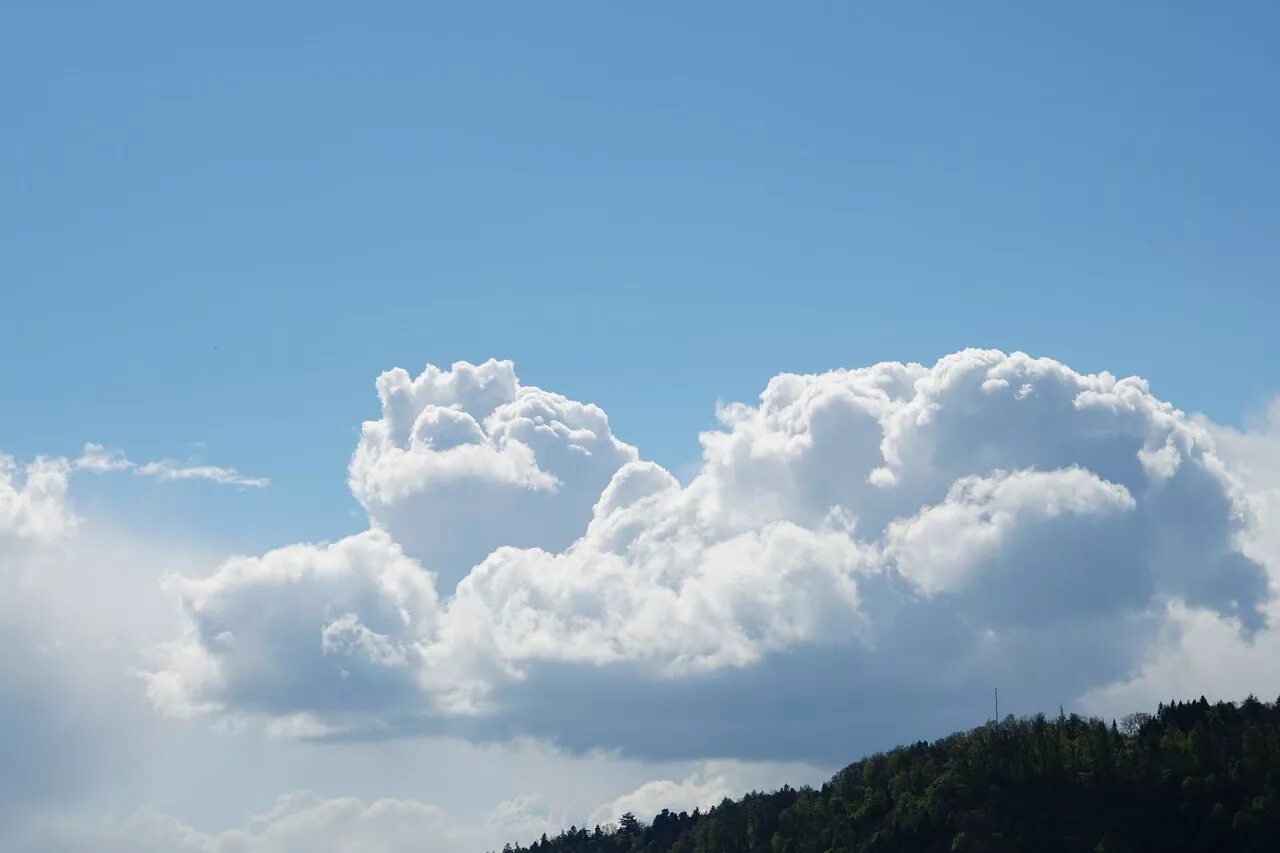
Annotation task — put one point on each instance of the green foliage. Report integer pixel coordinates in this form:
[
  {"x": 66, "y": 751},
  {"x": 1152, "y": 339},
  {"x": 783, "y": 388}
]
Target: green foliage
[{"x": 1192, "y": 776}]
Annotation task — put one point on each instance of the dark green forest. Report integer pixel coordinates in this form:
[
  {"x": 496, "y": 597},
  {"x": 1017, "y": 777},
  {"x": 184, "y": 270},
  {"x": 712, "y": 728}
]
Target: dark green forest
[{"x": 1192, "y": 776}]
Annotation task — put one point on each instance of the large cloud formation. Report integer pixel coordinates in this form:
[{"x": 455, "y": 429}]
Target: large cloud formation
[{"x": 876, "y": 545}]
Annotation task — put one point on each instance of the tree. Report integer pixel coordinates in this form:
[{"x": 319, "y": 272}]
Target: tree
[
  {"x": 628, "y": 825},
  {"x": 1131, "y": 724}
]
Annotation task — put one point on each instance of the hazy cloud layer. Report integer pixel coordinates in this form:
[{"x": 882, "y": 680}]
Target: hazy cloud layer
[
  {"x": 302, "y": 822},
  {"x": 56, "y": 717},
  {"x": 876, "y": 545}
]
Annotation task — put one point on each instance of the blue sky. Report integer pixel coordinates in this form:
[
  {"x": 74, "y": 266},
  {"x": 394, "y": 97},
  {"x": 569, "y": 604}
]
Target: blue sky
[{"x": 220, "y": 225}]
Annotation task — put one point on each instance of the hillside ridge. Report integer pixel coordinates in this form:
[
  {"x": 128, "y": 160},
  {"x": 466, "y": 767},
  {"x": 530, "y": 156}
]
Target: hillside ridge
[{"x": 1191, "y": 776}]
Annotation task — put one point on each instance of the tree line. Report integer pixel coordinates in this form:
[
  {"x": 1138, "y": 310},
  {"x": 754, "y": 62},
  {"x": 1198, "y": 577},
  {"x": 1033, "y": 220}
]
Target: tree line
[{"x": 1192, "y": 776}]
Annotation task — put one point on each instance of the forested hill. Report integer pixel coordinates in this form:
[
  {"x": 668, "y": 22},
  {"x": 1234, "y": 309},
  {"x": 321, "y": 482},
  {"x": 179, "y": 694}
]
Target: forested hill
[{"x": 1193, "y": 776}]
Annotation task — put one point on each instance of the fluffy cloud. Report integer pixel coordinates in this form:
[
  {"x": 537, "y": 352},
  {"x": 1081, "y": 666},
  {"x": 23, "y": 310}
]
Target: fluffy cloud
[
  {"x": 254, "y": 642},
  {"x": 1198, "y": 651},
  {"x": 988, "y": 523},
  {"x": 33, "y": 500},
  {"x": 1253, "y": 454},
  {"x": 880, "y": 544},
  {"x": 466, "y": 460}
]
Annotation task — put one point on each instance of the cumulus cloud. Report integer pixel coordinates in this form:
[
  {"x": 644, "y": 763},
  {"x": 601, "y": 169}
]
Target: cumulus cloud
[
  {"x": 351, "y": 619},
  {"x": 465, "y": 460},
  {"x": 987, "y": 523},
  {"x": 1201, "y": 652},
  {"x": 100, "y": 460},
  {"x": 878, "y": 544},
  {"x": 1253, "y": 455},
  {"x": 33, "y": 500}
]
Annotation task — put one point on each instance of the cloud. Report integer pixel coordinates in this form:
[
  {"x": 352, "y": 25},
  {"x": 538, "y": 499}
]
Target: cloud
[
  {"x": 1198, "y": 651},
  {"x": 878, "y": 545},
  {"x": 302, "y": 822},
  {"x": 1253, "y": 455},
  {"x": 254, "y": 643},
  {"x": 705, "y": 785},
  {"x": 33, "y": 500},
  {"x": 79, "y": 602},
  {"x": 465, "y": 460},
  {"x": 984, "y": 524},
  {"x": 307, "y": 821},
  {"x": 100, "y": 460},
  {"x": 168, "y": 470},
  {"x": 696, "y": 791}
]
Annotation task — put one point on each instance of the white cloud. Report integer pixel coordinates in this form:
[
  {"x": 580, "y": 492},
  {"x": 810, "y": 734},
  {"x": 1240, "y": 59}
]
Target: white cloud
[
  {"x": 307, "y": 821},
  {"x": 941, "y": 548},
  {"x": 922, "y": 530},
  {"x": 1199, "y": 652},
  {"x": 698, "y": 791},
  {"x": 465, "y": 460},
  {"x": 169, "y": 470},
  {"x": 706, "y": 784},
  {"x": 100, "y": 460},
  {"x": 1253, "y": 455},
  {"x": 351, "y": 619},
  {"x": 82, "y": 601},
  {"x": 79, "y": 602},
  {"x": 33, "y": 500},
  {"x": 854, "y": 555}
]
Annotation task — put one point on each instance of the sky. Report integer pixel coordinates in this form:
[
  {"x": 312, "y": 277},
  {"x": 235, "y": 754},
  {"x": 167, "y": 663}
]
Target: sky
[{"x": 434, "y": 426}]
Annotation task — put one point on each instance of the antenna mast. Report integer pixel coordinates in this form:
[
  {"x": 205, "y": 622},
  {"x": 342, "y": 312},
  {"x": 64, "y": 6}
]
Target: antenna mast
[{"x": 997, "y": 704}]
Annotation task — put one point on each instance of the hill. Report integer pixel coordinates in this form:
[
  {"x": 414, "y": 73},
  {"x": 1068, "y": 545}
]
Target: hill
[{"x": 1191, "y": 776}]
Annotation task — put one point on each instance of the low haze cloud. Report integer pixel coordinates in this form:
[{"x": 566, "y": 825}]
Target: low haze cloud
[{"x": 301, "y": 822}]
